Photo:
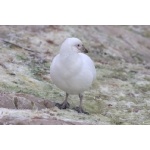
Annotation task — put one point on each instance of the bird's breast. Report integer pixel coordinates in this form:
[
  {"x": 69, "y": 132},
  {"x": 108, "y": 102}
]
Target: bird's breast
[{"x": 72, "y": 75}]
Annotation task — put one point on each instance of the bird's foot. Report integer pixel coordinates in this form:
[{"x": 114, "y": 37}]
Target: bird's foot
[
  {"x": 64, "y": 105},
  {"x": 80, "y": 110}
]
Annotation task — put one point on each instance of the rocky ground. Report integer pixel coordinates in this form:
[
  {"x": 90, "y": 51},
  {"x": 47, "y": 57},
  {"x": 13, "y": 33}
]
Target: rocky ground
[{"x": 120, "y": 94}]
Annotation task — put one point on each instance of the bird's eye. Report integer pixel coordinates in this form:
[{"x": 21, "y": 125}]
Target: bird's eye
[{"x": 78, "y": 45}]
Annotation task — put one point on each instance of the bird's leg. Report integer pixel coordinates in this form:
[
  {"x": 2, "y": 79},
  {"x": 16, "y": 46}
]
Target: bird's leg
[
  {"x": 80, "y": 109},
  {"x": 65, "y": 104}
]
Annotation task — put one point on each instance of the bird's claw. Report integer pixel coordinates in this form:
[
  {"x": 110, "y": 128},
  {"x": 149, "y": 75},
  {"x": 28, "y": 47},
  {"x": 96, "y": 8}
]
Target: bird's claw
[
  {"x": 80, "y": 110},
  {"x": 63, "y": 105}
]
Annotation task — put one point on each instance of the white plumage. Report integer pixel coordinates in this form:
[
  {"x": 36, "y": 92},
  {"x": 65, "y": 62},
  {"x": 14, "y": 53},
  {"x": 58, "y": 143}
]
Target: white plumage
[{"x": 72, "y": 71}]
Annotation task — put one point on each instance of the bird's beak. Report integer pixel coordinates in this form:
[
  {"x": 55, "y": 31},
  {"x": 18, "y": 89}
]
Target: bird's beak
[{"x": 84, "y": 50}]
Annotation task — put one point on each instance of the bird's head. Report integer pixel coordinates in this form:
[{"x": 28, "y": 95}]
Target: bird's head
[{"x": 74, "y": 44}]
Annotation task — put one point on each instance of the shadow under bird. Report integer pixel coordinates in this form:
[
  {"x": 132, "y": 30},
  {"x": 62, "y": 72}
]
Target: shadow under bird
[{"x": 72, "y": 71}]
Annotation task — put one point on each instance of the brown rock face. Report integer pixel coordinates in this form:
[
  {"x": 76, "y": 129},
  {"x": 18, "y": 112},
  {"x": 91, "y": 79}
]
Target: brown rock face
[
  {"x": 6, "y": 101},
  {"x": 23, "y": 101}
]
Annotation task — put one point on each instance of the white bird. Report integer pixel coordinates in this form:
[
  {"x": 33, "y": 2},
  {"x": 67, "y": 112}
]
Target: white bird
[{"x": 72, "y": 71}]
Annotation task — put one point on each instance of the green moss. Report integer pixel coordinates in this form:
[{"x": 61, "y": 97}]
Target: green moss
[
  {"x": 102, "y": 96},
  {"x": 144, "y": 88},
  {"x": 137, "y": 57},
  {"x": 91, "y": 108},
  {"x": 22, "y": 57},
  {"x": 147, "y": 34},
  {"x": 44, "y": 92},
  {"x": 147, "y": 78},
  {"x": 39, "y": 69},
  {"x": 118, "y": 75}
]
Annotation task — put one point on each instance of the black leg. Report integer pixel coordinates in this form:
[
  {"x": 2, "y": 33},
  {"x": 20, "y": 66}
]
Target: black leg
[
  {"x": 80, "y": 109},
  {"x": 65, "y": 104}
]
